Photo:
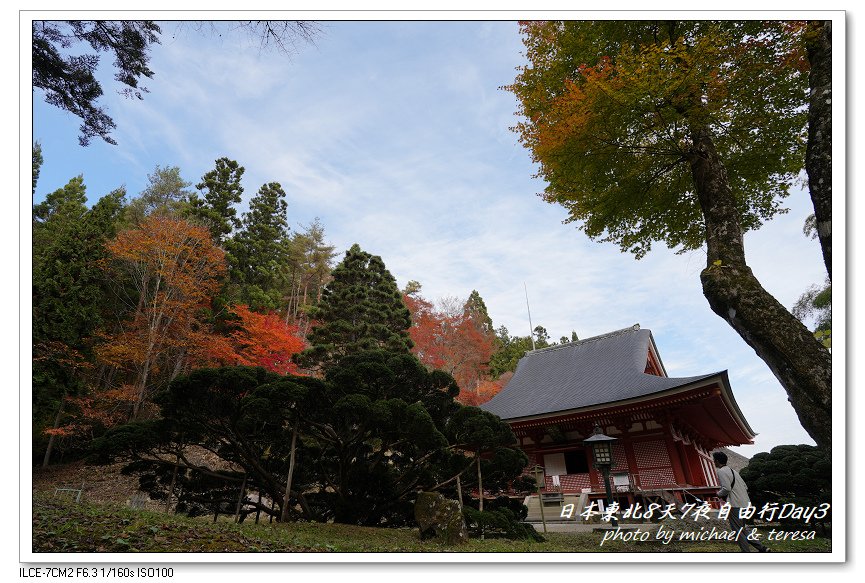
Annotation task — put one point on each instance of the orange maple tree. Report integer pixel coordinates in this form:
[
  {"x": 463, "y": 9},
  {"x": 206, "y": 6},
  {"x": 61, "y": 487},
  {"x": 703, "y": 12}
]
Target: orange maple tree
[
  {"x": 265, "y": 340},
  {"x": 171, "y": 270},
  {"x": 453, "y": 340}
]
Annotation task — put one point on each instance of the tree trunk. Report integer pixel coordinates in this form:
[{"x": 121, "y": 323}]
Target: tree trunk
[
  {"x": 173, "y": 481},
  {"x": 240, "y": 498},
  {"x": 178, "y": 365},
  {"x": 285, "y": 504},
  {"x": 46, "y": 460},
  {"x": 818, "y": 155},
  {"x": 800, "y": 362},
  {"x": 460, "y": 493},
  {"x": 139, "y": 398},
  {"x": 480, "y": 494},
  {"x": 258, "y": 507}
]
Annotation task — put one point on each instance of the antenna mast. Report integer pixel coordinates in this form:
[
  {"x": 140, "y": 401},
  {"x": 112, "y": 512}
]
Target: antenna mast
[{"x": 529, "y": 310}]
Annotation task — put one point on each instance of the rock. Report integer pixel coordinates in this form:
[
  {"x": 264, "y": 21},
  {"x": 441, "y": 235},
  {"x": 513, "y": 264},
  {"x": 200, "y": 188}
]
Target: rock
[{"x": 440, "y": 518}]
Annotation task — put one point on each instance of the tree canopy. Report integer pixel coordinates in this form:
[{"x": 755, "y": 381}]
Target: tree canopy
[
  {"x": 685, "y": 132},
  {"x": 612, "y": 108},
  {"x": 69, "y": 81},
  {"x": 797, "y": 474},
  {"x": 361, "y": 309},
  {"x": 259, "y": 251}
]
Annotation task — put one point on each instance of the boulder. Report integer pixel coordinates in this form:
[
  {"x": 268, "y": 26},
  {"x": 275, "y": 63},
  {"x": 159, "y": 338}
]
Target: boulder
[{"x": 440, "y": 518}]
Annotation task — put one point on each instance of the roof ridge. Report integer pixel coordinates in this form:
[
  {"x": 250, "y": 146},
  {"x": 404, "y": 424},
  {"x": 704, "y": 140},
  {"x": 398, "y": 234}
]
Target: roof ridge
[{"x": 633, "y": 328}]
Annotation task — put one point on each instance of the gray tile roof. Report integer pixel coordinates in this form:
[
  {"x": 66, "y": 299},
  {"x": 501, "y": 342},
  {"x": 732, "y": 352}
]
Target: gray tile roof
[{"x": 594, "y": 371}]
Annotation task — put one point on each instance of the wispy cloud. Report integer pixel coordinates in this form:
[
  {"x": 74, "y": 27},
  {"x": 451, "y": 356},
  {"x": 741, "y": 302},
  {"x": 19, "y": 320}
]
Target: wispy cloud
[{"x": 396, "y": 136}]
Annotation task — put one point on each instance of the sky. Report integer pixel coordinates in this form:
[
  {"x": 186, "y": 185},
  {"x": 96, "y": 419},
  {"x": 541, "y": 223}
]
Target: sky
[{"x": 396, "y": 135}]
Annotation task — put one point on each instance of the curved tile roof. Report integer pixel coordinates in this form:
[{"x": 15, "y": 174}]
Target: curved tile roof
[{"x": 595, "y": 371}]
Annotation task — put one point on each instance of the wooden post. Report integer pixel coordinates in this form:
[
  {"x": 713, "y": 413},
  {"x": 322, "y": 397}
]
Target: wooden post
[
  {"x": 240, "y": 498},
  {"x": 173, "y": 482}
]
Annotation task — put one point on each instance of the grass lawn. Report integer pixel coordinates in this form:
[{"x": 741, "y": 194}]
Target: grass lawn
[{"x": 63, "y": 526}]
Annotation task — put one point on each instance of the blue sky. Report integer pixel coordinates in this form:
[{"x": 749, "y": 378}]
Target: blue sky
[{"x": 396, "y": 135}]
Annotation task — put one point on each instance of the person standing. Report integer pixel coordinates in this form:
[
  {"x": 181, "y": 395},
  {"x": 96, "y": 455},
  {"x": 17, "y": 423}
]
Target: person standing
[{"x": 735, "y": 492}]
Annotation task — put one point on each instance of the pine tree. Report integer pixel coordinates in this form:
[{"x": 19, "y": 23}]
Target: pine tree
[
  {"x": 361, "y": 309},
  {"x": 310, "y": 264},
  {"x": 166, "y": 192}
]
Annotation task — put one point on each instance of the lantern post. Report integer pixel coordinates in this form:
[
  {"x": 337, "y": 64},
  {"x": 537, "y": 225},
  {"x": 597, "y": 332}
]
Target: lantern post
[
  {"x": 602, "y": 452},
  {"x": 540, "y": 481}
]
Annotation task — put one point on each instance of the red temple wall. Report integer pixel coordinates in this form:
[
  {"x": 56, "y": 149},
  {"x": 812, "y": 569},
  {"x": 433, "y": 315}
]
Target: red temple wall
[{"x": 653, "y": 459}]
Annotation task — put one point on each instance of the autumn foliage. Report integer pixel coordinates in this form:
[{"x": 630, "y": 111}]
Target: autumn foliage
[
  {"x": 265, "y": 340},
  {"x": 453, "y": 339},
  {"x": 167, "y": 270}
]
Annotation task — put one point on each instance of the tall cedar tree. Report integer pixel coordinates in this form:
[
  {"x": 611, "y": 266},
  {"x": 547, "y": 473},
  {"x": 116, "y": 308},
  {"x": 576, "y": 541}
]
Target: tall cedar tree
[
  {"x": 259, "y": 252},
  {"x": 477, "y": 311},
  {"x": 221, "y": 191},
  {"x": 361, "y": 309},
  {"x": 689, "y": 133}
]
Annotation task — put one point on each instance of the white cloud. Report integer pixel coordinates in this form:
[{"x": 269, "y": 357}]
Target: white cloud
[{"x": 396, "y": 135}]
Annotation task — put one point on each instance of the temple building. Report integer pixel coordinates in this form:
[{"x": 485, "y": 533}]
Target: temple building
[{"x": 666, "y": 427}]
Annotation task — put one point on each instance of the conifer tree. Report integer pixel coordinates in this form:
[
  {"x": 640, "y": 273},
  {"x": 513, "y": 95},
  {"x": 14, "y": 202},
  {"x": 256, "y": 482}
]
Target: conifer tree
[
  {"x": 37, "y": 163},
  {"x": 69, "y": 294},
  {"x": 361, "y": 309},
  {"x": 477, "y": 311},
  {"x": 166, "y": 192},
  {"x": 259, "y": 252},
  {"x": 222, "y": 190}
]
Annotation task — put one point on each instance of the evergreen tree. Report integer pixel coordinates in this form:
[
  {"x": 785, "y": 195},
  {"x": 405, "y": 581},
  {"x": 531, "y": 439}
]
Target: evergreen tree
[
  {"x": 361, "y": 309},
  {"x": 69, "y": 81},
  {"x": 37, "y": 163},
  {"x": 69, "y": 294},
  {"x": 510, "y": 349},
  {"x": 477, "y": 310},
  {"x": 310, "y": 264},
  {"x": 259, "y": 252},
  {"x": 68, "y": 242},
  {"x": 791, "y": 474},
  {"x": 166, "y": 192},
  {"x": 222, "y": 190}
]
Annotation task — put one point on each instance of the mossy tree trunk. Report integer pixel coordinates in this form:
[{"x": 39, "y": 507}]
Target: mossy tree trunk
[{"x": 801, "y": 363}]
